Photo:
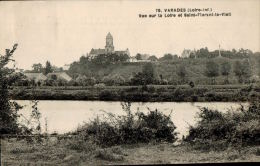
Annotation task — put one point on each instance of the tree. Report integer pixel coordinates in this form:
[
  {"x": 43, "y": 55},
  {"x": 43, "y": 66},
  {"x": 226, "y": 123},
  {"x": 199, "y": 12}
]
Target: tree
[
  {"x": 247, "y": 72},
  {"x": 101, "y": 60},
  {"x": 137, "y": 79},
  {"x": 238, "y": 71},
  {"x": 37, "y": 67},
  {"x": 192, "y": 55},
  {"x": 8, "y": 108},
  {"x": 148, "y": 73},
  {"x": 225, "y": 70},
  {"x": 84, "y": 59},
  {"x": 181, "y": 72},
  {"x": 138, "y": 56},
  {"x": 113, "y": 80},
  {"x": 153, "y": 58},
  {"x": 166, "y": 57},
  {"x": 90, "y": 81},
  {"x": 212, "y": 70},
  {"x": 123, "y": 57},
  {"x": 244, "y": 53},
  {"x": 242, "y": 70},
  {"x": 81, "y": 80},
  {"x": 203, "y": 53},
  {"x": 118, "y": 79},
  {"x": 56, "y": 69},
  {"x": 145, "y": 77},
  {"x": 48, "y": 68}
]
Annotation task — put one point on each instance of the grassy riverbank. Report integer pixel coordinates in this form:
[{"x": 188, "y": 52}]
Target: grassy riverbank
[
  {"x": 140, "y": 93},
  {"x": 139, "y": 138},
  {"x": 55, "y": 153}
]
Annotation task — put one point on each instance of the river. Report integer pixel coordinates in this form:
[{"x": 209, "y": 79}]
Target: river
[{"x": 65, "y": 116}]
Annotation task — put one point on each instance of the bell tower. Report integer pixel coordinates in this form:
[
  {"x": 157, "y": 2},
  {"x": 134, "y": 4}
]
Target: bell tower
[{"x": 109, "y": 43}]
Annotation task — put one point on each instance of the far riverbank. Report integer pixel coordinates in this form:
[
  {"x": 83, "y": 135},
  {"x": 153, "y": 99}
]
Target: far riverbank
[{"x": 149, "y": 93}]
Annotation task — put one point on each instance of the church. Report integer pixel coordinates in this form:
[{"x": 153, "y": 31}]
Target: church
[{"x": 109, "y": 48}]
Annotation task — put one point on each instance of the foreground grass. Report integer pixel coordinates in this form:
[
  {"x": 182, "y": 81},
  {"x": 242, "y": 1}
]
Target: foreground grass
[{"x": 55, "y": 152}]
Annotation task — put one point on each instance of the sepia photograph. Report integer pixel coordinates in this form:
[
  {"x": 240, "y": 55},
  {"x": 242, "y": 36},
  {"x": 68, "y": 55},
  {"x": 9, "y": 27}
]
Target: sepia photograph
[{"x": 125, "y": 82}]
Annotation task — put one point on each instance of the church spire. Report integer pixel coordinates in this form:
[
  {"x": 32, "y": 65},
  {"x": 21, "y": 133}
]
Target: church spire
[
  {"x": 109, "y": 35},
  {"x": 109, "y": 43}
]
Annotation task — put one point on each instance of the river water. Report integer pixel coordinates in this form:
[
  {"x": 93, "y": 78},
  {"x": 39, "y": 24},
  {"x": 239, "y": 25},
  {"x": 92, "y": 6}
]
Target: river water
[{"x": 65, "y": 116}]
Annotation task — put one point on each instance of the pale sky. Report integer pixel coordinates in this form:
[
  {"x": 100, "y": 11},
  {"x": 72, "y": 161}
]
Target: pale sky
[{"x": 61, "y": 31}]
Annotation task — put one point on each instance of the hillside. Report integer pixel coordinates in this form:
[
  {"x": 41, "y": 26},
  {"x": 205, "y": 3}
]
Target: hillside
[{"x": 195, "y": 69}]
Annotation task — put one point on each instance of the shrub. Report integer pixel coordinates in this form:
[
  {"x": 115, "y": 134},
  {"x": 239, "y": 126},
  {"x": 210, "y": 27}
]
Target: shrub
[
  {"x": 258, "y": 152},
  {"x": 71, "y": 83},
  {"x": 107, "y": 95},
  {"x": 236, "y": 128},
  {"x": 91, "y": 81},
  {"x": 107, "y": 80},
  {"x": 164, "y": 82},
  {"x": 113, "y": 80},
  {"x": 80, "y": 80},
  {"x": 151, "y": 89},
  {"x": 131, "y": 128},
  {"x": 118, "y": 80},
  {"x": 183, "y": 94},
  {"x": 100, "y": 85},
  {"x": 194, "y": 98},
  {"x": 61, "y": 82},
  {"x": 161, "y": 126},
  {"x": 178, "y": 94}
]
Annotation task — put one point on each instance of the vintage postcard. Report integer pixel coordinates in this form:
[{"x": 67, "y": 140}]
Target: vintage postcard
[{"x": 126, "y": 82}]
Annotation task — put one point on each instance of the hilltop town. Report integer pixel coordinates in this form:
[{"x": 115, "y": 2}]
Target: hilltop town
[{"x": 109, "y": 66}]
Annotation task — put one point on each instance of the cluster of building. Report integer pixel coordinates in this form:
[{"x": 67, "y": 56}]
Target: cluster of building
[
  {"x": 186, "y": 53},
  {"x": 142, "y": 58},
  {"x": 110, "y": 49},
  {"x": 40, "y": 77}
]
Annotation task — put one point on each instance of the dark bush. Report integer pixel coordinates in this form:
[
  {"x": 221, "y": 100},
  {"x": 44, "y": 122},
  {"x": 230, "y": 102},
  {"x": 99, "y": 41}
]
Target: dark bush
[
  {"x": 151, "y": 89},
  {"x": 107, "y": 95},
  {"x": 160, "y": 124},
  {"x": 191, "y": 83},
  {"x": 194, "y": 98},
  {"x": 131, "y": 128},
  {"x": 237, "y": 128}
]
